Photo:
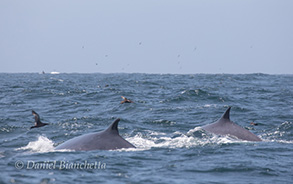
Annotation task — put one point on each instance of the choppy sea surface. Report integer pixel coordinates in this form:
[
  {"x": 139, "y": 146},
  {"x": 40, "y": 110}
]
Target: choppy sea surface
[{"x": 164, "y": 123}]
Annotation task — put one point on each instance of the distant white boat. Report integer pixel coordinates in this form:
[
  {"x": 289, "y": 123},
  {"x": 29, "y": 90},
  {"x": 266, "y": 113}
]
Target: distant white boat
[{"x": 54, "y": 73}]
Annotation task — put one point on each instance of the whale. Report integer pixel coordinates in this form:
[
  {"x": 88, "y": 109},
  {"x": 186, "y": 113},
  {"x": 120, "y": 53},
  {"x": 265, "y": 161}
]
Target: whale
[
  {"x": 224, "y": 126},
  {"x": 108, "y": 139},
  {"x": 38, "y": 122}
]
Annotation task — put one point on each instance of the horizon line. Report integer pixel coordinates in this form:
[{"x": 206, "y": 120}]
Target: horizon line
[{"x": 223, "y": 73}]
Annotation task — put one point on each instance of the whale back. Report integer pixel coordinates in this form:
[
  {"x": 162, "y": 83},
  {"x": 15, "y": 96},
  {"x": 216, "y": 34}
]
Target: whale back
[
  {"x": 108, "y": 139},
  {"x": 224, "y": 126}
]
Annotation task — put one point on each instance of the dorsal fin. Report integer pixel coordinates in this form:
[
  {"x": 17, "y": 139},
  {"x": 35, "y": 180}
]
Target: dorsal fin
[
  {"x": 226, "y": 115},
  {"x": 113, "y": 128}
]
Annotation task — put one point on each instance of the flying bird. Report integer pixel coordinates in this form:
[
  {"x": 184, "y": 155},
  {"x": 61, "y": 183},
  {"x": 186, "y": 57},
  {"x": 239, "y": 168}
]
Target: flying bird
[
  {"x": 38, "y": 122},
  {"x": 125, "y": 100}
]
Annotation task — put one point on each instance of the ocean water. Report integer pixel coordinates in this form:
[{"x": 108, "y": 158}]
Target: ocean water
[{"x": 164, "y": 124}]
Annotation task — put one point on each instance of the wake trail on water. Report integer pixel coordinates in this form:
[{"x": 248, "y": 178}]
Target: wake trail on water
[{"x": 193, "y": 138}]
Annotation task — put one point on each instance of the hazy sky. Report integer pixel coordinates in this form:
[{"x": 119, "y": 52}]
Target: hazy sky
[{"x": 147, "y": 36}]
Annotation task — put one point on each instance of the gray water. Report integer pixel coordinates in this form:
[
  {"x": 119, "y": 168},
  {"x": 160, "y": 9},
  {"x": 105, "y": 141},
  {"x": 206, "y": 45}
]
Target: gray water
[{"x": 164, "y": 124}]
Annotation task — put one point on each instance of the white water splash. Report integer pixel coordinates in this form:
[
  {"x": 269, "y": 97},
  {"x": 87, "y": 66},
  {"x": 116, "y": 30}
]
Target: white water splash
[
  {"x": 43, "y": 144},
  {"x": 177, "y": 140}
]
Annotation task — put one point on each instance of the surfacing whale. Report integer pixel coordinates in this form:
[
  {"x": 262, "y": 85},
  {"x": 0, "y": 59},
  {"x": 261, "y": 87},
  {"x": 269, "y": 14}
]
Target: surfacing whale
[
  {"x": 226, "y": 127},
  {"x": 38, "y": 122},
  {"x": 108, "y": 139}
]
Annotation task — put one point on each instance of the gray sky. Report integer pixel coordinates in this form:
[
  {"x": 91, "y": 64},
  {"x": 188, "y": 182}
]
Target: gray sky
[{"x": 147, "y": 36}]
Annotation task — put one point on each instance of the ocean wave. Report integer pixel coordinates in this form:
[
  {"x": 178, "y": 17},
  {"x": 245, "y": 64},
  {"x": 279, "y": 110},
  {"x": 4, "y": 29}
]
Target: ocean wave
[{"x": 282, "y": 133}]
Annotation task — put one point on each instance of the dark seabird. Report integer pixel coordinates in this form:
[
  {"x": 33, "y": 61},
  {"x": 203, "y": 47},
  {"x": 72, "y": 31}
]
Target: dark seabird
[
  {"x": 125, "y": 100},
  {"x": 254, "y": 124},
  {"x": 38, "y": 122}
]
